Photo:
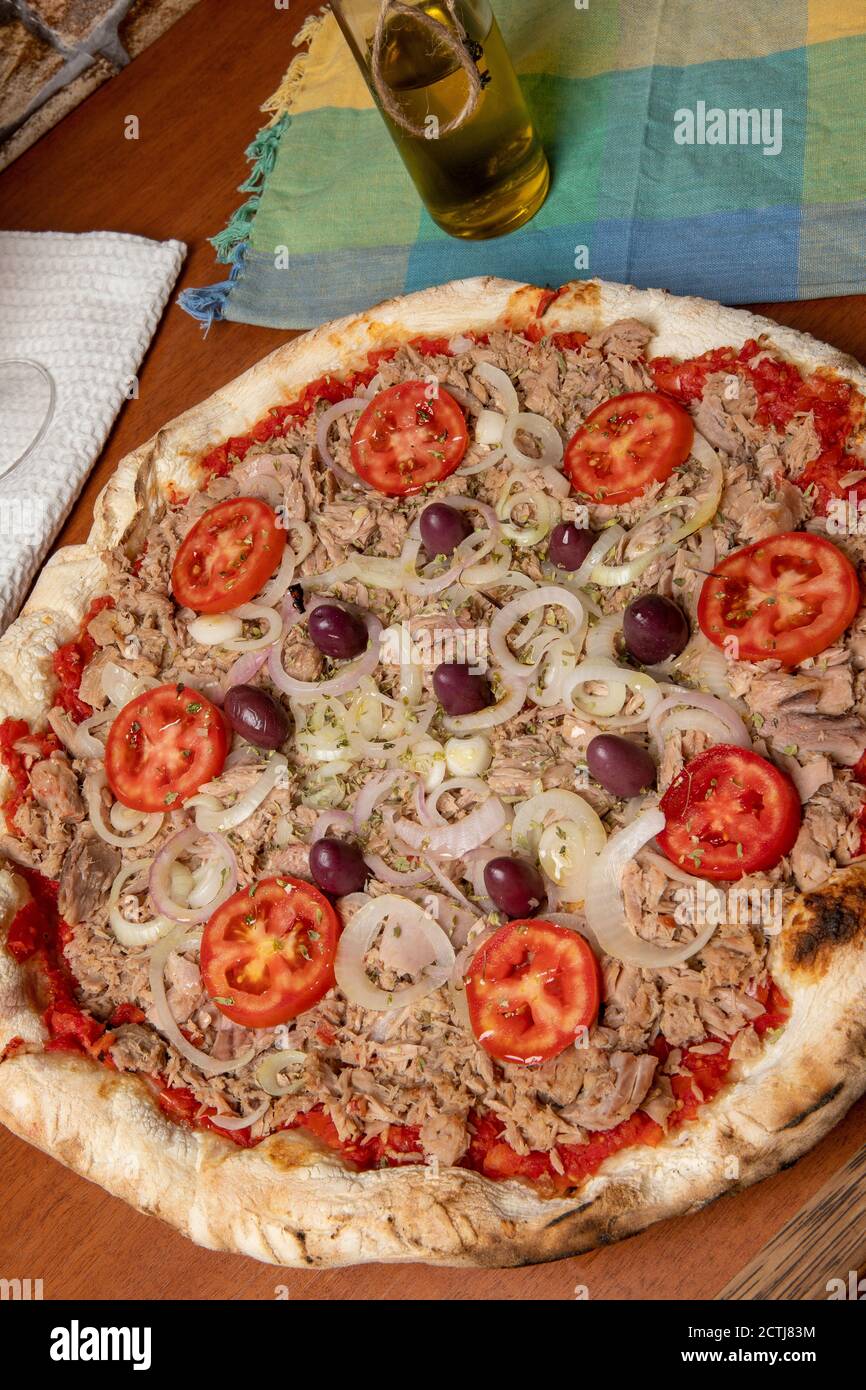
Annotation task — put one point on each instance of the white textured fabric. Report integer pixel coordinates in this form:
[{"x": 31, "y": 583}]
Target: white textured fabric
[{"x": 85, "y": 307}]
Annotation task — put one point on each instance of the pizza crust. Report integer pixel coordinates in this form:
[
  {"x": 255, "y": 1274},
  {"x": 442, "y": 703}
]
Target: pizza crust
[{"x": 288, "y": 1201}]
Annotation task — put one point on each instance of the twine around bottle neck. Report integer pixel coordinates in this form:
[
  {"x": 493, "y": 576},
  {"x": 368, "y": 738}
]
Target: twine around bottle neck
[{"x": 447, "y": 38}]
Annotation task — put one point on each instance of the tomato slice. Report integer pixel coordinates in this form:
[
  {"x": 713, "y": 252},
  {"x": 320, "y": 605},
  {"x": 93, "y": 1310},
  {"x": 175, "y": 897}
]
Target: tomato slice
[
  {"x": 627, "y": 443},
  {"x": 228, "y": 556},
  {"x": 784, "y": 598},
  {"x": 267, "y": 954},
  {"x": 729, "y": 813},
  {"x": 406, "y": 439},
  {"x": 163, "y": 746},
  {"x": 531, "y": 989}
]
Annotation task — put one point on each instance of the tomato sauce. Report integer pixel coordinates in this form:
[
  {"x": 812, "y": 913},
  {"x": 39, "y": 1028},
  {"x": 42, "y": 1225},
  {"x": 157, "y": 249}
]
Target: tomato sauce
[
  {"x": 11, "y": 732},
  {"x": 494, "y": 1157},
  {"x": 37, "y": 936},
  {"x": 68, "y": 663},
  {"x": 783, "y": 392},
  {"x": 70, "y": 660},
  {"x": 221, "y": 460}
]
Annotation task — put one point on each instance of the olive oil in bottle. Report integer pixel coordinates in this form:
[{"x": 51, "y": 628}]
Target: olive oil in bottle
[{"x": 490, "y": 174}]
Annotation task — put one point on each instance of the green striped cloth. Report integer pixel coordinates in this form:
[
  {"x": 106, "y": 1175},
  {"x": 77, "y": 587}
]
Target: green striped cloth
[{"x": 638, "y": 102}]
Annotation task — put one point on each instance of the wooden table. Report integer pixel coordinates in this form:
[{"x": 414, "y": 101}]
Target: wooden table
[{"x": 196, "y": 93}]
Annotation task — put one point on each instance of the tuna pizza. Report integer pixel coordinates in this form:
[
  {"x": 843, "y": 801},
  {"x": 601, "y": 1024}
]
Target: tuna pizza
[{"x": 433, "y": 797}]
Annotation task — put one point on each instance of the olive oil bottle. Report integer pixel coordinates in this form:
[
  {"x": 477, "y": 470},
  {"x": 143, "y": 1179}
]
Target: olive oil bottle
[{"x": 487, "y": 176}]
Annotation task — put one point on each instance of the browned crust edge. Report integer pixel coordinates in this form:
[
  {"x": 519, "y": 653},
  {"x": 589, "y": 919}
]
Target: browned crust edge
[{"x": 287, "y": 1201}]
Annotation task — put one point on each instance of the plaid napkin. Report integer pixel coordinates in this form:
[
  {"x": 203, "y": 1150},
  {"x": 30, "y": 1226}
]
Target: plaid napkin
[{"x": 712, "y": 149}]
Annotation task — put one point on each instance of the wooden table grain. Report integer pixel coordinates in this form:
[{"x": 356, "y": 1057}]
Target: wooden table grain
[{"x": 196, "y": 93}]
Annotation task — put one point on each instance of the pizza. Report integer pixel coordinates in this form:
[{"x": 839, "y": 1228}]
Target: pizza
[{"x": 434, "y": 796}]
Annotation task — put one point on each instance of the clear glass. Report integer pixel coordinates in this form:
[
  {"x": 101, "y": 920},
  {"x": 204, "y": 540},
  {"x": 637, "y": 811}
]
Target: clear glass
[
  {"x": 27, "y": 399},
  {"x": 489, "y": 176}
]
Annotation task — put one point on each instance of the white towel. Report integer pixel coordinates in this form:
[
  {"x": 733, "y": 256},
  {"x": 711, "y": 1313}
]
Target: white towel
[{"x": 84, "y": 307}]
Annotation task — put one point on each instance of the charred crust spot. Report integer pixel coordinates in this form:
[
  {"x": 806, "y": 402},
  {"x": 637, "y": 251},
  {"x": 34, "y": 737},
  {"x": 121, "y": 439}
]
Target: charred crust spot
[
  {"x": 834, "y": 923},
  {"x": 569, "y": 1215},
  {"x": 819, "y": 1104},
  {"x": 826, "y": 921}
]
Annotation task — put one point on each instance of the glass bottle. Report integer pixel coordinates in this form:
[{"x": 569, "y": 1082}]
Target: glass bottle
[{"x": 487, "y": 176}]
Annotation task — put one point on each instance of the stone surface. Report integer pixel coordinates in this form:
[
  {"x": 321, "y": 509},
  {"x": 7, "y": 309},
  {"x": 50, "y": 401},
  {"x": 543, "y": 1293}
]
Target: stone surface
[
  {"x": 27, "y": 63},
  {"x": 147, "y": 19},
  {"x": 59, "y": 29}
]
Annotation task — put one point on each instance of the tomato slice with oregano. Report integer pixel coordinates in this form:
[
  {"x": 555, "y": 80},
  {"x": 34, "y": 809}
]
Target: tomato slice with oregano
[
  {"x": 228, "y": 556},
  {"x": 784, "y": 598},
  {"x": 163, "y": 746},
  {"x": 532, "y": 989},
  {"x": 407, "y": 438},
  {"x": 729, "y": 813},
  {"x": 267, "y": 954},
  {"x": 627, "y": 443}
]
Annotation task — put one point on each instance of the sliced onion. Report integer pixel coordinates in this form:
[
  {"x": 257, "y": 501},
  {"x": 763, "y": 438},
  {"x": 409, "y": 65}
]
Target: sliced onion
[
  {"x": 547, "y": 513},
  {"x": 452, "y": 841},
  {"x": 244, "y": 669},
  {"x": 160, "y": 885},
  {"x": 601, "y": 638},
  {"x": 372, "y": 792},
  {"x": 396, "y": 878},
  {"x": 558, "y": 660},
  {"x": 605, "y": 914},
  {"x": 609, "y": 537},
  {"x": 426, "y": 758},
  {"x": 529, "y": 822},
  {"x": 510, "y": 702},
  {"x": 545, "y": 595},
  {"x": 349, "y": 675},
  {"x": 128, "y": 933},
  {"x": 469, "y": 553},
  {"x": 323, "y": 429},
  {"x": 489, "y": 427},
  {"x": 124, "y": 818},
  {"x": 389, "y": 749},
  {"x": 270, "y": 1067},
  {"x": 548, "y": 436},
  {"x": 704, "y": 509},
  {"x": 151, "y": 822},
  {"x": 451, "y": 889},
  {"x": 617, "y": 679},
  {"x": 331, "y": 818},
  {"x": 428, "y": 807},
  {"x": 218, "y": 819},
  {"x": 320, "y": 731},
  {"x": 501, "y": 383},
  {"x": 557, "y": 482},
  {"x": 420, "y": 936},
  {"x": 257, "y": 613},
  {"x": 120, "y": 685},
  {"x": 215, "y": 629},
  {"x": 293, "y": 555},
  {"x": 724, "y": 724},
  {"x": 181, "y": 940},
  {"x": 490, "y": 460},
  {"x": 489, "y": 571},
  {"x": 78, "y": 738},
  {"x": 565, "y": 853},
  {"x": 234, "y": 1122}
]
